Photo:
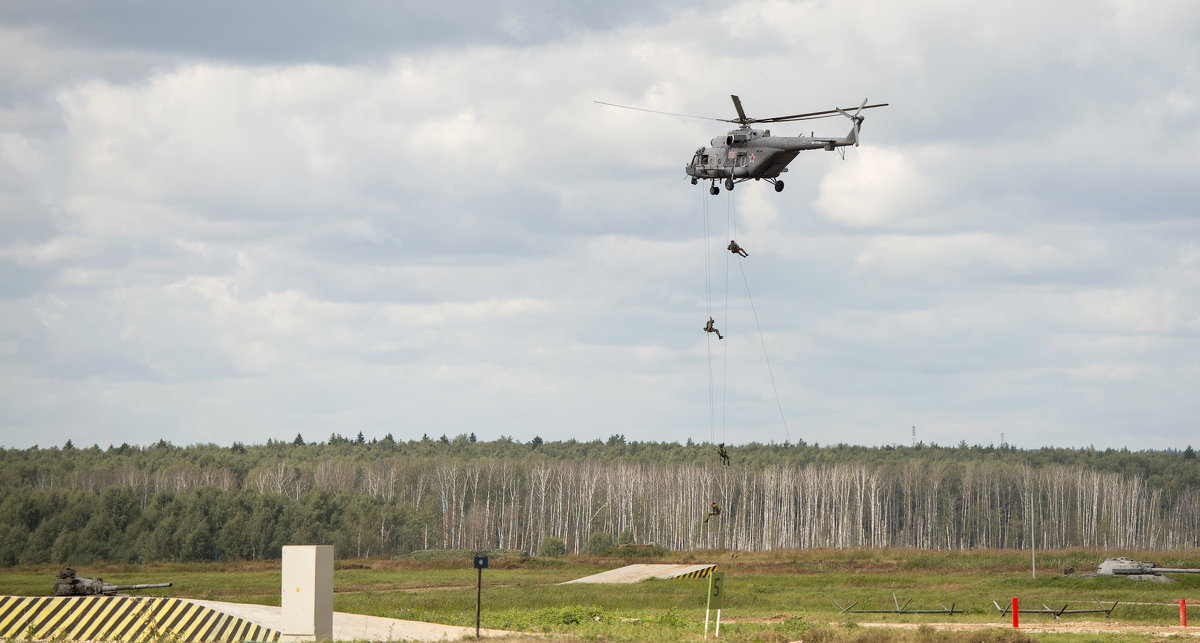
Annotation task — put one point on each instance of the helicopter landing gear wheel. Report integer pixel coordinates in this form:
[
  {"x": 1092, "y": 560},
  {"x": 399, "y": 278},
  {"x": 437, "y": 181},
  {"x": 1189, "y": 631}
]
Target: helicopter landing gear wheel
[
  {"x": 714, "y": 190},
  {"x": 779, "y": 186},
  {"x": 729, "y": 184},
  {"x": 694, "y": 181}
]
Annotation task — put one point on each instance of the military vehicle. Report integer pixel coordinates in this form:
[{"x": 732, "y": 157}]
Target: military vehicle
[
  {"x": 747, "y": 153},
  {"x": 1125, "y": 567},
  {"x": 67, "y": 584}
]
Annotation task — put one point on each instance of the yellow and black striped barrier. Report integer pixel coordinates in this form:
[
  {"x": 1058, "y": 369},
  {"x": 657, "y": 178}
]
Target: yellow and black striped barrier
[
  {"x": 122, "y": 618},
  {"x": 699, "y": 573}
]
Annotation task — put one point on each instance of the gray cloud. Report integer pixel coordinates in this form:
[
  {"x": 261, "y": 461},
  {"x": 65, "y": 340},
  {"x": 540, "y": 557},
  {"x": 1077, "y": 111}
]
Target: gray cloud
[{"x": 297, "y": 32}]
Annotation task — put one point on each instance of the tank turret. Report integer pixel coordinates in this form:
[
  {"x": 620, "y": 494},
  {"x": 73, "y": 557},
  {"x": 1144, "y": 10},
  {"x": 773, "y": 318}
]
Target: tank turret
[
  {"x": 1124, "y": 567},
  {"x": 68, "y": 584}
]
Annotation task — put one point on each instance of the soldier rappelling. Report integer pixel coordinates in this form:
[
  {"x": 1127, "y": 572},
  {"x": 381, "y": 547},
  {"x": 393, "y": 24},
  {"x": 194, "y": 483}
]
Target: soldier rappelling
[
  {"x": 709, "y": 328},
  {"x": 714, "y": 510}
]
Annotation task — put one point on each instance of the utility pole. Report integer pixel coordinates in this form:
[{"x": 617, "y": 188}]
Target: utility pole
[{"x": 1032, "y": 536}]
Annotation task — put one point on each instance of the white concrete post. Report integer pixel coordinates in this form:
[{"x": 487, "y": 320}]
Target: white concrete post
[{"x": 307, "y": 593}]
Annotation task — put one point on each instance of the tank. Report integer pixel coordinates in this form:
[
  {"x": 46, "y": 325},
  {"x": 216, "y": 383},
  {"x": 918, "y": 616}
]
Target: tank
[
  {"x": 1125, "y": 567},
  {"x": 68, "y": 584}
]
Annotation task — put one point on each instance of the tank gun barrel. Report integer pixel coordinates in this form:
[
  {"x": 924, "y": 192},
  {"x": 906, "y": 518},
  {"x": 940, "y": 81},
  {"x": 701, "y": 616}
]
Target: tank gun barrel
[{"x": 117, "y": 588}]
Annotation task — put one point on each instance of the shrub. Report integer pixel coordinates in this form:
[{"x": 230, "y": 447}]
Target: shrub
[
  {"x": 796, "y": 627},
  {"x": 552, "y": 547},
  {"x": 600, "y": 543}
]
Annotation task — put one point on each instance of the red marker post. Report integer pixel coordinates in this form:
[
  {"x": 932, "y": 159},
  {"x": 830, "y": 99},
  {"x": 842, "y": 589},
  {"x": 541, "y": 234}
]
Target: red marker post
[
  {"x": 1183, "y": 612},
  {"x": 1014, "y": 610}
]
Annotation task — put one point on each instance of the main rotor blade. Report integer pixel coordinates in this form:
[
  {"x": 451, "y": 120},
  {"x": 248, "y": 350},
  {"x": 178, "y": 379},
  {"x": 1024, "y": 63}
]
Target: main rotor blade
[
  {"x": 811, "y": 115},
  {"x": 655, "y": 111},
  {"x": 860, "y": 107},
  {"x": 737, "y": 104}
]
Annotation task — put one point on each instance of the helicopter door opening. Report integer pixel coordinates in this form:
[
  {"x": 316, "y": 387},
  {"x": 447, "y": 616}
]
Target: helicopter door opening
[{"x": 742, "y": 159}]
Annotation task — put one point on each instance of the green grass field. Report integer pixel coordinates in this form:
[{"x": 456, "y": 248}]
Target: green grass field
[{"x": 771, "y": 596}]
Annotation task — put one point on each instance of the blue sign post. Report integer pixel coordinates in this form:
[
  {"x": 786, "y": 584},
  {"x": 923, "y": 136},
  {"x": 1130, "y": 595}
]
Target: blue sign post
[{"x": 480, "y": 563}]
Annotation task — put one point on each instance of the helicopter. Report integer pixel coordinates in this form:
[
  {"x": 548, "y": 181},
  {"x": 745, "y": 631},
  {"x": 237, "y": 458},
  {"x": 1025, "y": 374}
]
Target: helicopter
[{"x": 747, "y": 153}]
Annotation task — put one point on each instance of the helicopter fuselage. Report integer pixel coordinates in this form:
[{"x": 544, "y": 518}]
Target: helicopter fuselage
[
  {"x": 747, "y": 153},
  {"x": 754, "y": 154}
]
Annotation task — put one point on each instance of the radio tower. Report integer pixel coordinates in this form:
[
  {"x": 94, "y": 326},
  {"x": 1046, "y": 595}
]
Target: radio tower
[{"x": 914, "y": 435}]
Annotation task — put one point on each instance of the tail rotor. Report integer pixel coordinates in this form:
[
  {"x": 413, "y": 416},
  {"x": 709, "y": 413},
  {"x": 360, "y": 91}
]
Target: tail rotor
[{"x": 854, "y": 118}]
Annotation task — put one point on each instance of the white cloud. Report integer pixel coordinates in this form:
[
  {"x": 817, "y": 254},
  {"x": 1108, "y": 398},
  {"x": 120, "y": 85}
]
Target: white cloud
[
  {"x": 876, "y": 186},
  {"x": 1146, "y": 310},
  {"x": 266, "y": 239},
  {"x": 1116, "y": 372}
]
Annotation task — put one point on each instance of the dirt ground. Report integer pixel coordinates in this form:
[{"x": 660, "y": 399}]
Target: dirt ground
[{"x": 1079, "y": 627}]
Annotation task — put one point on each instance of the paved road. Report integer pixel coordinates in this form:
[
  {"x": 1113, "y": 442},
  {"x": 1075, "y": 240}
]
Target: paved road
[{"x": 356, "y": 627}]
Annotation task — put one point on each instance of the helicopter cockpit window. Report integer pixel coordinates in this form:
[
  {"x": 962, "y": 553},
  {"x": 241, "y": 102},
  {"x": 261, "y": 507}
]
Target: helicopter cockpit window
[{"x": 703, "y": 159}]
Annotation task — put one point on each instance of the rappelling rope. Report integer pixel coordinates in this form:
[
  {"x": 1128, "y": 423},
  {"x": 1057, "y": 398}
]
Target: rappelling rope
[
  {"x": 712, "y": 430},
  {"x": 731, "y": 232},
  {"x": 766, "y": 357}
]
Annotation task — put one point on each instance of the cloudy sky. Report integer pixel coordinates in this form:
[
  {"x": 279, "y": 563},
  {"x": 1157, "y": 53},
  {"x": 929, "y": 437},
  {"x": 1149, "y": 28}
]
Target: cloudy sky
[{"x": 230, "y": 221}]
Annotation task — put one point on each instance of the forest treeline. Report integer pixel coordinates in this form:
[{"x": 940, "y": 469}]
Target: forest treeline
[{"x": 388, "y": 497}]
